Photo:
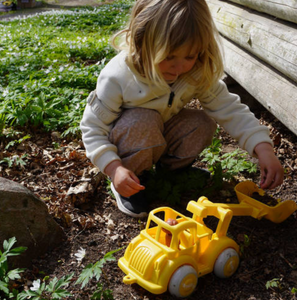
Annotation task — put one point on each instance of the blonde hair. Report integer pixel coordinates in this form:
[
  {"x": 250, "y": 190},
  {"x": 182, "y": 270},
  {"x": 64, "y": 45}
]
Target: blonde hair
[{"x": 159, "y": 27}]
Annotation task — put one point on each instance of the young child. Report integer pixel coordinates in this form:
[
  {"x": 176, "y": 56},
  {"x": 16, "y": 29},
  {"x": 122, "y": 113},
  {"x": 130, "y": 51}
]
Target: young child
[{"x": 136, "y": 116}]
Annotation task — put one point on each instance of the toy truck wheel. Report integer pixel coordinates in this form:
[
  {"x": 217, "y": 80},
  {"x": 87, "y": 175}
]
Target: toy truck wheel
[
  {"x": 183, "y": 282},
  {"x": 226, "y": 263}
]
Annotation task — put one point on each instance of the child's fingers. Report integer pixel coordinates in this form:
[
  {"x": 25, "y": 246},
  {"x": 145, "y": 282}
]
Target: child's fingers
[
  {"x": 128, "y": 191},
  {"x": 271, "y": 179},
  {"x": 130, "y": 187},
  {"x": 266, "y": 179},
  {"x": 134, "y": 177},
  {"x": 134, "y": 182},
  {"x": 278, "y": 180}
]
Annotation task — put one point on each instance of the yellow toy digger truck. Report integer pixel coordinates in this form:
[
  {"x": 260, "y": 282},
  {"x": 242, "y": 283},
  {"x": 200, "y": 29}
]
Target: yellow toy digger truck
[{"x": 169, "y": 257}]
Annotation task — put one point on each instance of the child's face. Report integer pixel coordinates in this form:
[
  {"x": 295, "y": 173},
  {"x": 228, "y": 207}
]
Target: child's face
[{"x": 178, "y": 62}]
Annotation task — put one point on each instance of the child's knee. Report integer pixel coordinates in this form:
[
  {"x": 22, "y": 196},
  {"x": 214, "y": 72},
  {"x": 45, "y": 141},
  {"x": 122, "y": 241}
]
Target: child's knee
[
  {"x": 139, "y": 121},
  {"x": 138, "y": 135},
  {"x": 212, "y": 126},
  {"x": 207, "y": 128}
]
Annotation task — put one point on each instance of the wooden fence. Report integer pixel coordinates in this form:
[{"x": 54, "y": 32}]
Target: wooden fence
[{"x": 260, "y": 51}]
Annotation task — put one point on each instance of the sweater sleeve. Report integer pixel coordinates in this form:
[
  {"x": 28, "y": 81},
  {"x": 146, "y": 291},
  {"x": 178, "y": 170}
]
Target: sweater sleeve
[
  {"x": 235, "y": 117},
  {"x": 102, "y": 109}
]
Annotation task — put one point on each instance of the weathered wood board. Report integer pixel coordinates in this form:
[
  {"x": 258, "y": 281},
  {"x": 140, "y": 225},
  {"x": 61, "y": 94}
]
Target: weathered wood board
[
  {"x": 275, "y": 92},
  {"x": 273, "y": 42},
  {"x": 283, "y": 9}
]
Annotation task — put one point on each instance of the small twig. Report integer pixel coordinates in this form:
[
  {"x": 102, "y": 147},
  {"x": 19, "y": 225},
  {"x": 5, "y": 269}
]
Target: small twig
[
  {"x": 28, "y": 177},
  {"x": 282, "y": 256},
  {"x": 32, "y": 236},
  {"x": 133, "y": 296},
  {"x": 80, "y": 232},
  {"x": 252, "y": 271},
  {"x": 279, "y": 189},
  {"x": 289, "y": 166},
  {"x": 67, "y": 166},
  {"x": 105, "y": 276},
  {"x": 237, "y": 295},
  {"x": 50, "y": 162}
]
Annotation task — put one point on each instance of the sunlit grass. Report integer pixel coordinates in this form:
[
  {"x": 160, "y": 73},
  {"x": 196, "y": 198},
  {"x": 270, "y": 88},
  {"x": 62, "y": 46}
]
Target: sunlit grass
[{"x": 50, "y": 62}]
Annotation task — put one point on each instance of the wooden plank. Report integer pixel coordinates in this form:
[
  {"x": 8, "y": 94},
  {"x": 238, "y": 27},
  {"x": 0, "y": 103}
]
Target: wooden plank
[
  {"x": 275, "y": 92},
  {"x": 273, "y": 42},
  {"x": 282, "y": 9}
]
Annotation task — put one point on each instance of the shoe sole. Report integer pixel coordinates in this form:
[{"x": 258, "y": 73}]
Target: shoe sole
[{"x": 122, "y": 208}]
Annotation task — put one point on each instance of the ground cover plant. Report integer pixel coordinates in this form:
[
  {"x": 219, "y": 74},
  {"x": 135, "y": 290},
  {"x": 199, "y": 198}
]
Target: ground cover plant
[{"x": 48, "y": 65}]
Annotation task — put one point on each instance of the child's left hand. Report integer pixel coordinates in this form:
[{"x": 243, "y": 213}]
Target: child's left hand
[{"x": 272, "y": 172}]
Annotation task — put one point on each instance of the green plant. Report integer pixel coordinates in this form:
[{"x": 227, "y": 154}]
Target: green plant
[
  {"x": 229, "y": 164},
  {"x": 56, "y": 145},
  {"x": 19, "y": 141},
  {"x": 95, "y": 270},
  {"x": 8, "y": 161},
  {"x": 171, "y": 185},
  {"x": 294, "y": 290},
  {"x": 6, "y": 275},
  {"x": 53, "y": 290},
  {"x": 100, "y": 293},
  {"x": 50, "y": 62},
  {"x": 16, "y": 160},
  {"x": 245, "y": 244},
  {"x": 273, "y": 283},
  {"x": 2, "y": 123}
]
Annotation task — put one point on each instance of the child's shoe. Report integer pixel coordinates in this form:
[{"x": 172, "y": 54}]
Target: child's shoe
[{"x": 135, "y": 206}]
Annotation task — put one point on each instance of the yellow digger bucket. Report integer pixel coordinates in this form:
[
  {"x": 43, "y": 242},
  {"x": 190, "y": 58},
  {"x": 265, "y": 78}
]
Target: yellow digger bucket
[{"x": 276, "y": 214}]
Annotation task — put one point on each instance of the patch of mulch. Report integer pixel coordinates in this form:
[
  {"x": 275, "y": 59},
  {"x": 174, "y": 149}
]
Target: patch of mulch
[{"x": 77, "y": 197}]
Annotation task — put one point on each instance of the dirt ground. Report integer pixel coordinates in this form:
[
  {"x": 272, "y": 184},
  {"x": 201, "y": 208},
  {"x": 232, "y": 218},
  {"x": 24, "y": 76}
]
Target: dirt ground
[{"x": 91, "y": 221}]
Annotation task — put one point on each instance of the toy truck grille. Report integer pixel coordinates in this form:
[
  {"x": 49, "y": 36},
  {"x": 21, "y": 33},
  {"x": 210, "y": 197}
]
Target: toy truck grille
[{"x": 140, "y": 260}]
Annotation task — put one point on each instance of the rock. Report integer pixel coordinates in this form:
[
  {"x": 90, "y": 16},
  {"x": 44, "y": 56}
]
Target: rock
[{"x": 26, "y": 217}]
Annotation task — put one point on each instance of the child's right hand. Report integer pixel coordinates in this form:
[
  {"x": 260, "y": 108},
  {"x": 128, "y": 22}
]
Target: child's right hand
[
  {"x": 124, "y": 180},
  {"x": 272, "y": 172}
]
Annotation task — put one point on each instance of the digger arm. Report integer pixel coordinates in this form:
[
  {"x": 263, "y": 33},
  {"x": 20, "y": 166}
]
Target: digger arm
[
  {"x": 204, "y": 208},
  {"x": 247, "y": 206}
]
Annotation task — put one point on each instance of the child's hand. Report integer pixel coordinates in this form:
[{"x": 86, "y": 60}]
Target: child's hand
[
  {"x": 124, "y": 180},
  {"x": 272, "y": 172}
]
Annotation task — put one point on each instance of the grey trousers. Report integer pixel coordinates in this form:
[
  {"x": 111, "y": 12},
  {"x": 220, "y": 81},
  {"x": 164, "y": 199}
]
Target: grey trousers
[{"x": 143, "y": 139}]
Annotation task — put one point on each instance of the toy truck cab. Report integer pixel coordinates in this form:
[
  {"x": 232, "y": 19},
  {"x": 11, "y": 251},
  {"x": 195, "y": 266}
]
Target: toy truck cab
[{"x": 164, "y": 256}]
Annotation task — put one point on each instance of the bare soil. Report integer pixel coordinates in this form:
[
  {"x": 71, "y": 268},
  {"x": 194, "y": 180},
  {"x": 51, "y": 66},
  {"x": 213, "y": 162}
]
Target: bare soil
[
  {"x": 78, "y": 199},
  {"x": 266, "y": 199}
]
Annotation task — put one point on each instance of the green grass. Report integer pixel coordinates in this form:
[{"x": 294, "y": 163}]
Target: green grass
[{"x": 50, "y": 62}]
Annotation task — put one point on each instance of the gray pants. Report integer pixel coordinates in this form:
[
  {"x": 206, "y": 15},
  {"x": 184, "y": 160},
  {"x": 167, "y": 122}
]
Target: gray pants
[{"x": 143, "y": 139}]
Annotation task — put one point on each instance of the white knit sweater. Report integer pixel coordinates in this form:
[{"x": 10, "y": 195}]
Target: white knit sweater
[{"x": 120, "y": 86}]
